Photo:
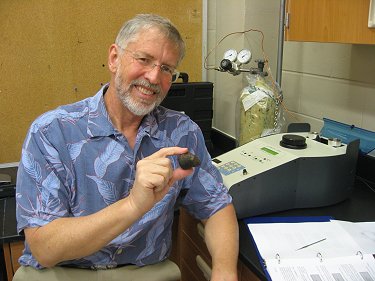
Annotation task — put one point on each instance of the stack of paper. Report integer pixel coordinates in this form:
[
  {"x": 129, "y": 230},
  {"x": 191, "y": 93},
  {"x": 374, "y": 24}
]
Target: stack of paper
[{"x": 329, "y": 250}]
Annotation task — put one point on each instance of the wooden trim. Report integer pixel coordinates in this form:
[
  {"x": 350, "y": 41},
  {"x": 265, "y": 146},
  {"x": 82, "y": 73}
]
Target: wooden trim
[
  {"x": 8, "y": 261},
  {"x": 12, "y": 252}
]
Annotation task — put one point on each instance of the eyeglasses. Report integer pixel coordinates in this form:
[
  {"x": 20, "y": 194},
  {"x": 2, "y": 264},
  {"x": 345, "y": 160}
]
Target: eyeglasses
[{"x": 148, "y": 64}]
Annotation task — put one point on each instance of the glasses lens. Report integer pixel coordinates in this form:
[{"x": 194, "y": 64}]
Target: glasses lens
[
  {"x": 175, "y": 76},
  {"x": 149, "y": 64}
]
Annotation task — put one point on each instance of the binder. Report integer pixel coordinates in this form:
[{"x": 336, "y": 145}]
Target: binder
[
  {"x": 295, "y": 219},
  {"x": 279, "y": 261}
]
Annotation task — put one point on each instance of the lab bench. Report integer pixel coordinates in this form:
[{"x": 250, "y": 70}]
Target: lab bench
[{"x": 190, "y": 251}]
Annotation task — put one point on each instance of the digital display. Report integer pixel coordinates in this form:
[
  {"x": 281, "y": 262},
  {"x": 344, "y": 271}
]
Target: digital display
[{"x": 270, "y": 151}]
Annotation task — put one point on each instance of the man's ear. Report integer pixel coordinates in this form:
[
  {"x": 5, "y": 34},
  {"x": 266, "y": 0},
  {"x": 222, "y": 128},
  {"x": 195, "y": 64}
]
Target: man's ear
[{"x": 113, "y": 58}]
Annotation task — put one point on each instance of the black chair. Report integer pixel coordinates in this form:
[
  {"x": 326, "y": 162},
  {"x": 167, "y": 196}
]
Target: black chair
[{"x": 298, "y": 127}]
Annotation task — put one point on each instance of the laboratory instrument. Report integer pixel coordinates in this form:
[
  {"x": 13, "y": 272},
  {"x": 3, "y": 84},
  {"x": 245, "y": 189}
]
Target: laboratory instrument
[{"x": 287, "y": 171}]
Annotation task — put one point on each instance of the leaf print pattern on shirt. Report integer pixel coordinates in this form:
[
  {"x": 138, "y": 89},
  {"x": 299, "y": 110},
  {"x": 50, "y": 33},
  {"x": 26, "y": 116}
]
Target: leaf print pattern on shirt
[
  {"x": 106, "y": 189},
  {"x": 77, "y": 145},
  {"x": 152, "y": 236},
  {"x": 111, "y": 154},
  {"x": 75, "y": 149},
  {"x": 32, "y": 167},
  {"x": 48, "y": 204}
]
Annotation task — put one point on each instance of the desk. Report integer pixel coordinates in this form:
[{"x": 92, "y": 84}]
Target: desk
[
  {"x": 11, "y": 241},
  {"x": 359, "y": 207}
]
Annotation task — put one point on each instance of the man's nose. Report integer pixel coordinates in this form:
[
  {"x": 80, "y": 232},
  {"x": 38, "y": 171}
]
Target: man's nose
[{"x": 154, "y": 75}]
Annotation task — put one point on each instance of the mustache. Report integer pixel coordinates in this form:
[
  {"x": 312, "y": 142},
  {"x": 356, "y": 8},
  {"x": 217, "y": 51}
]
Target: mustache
[{"x": 145, "y": 83}]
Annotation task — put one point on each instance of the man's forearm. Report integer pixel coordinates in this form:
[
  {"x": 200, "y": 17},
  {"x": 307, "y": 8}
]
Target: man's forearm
[
  {"x": 72, "y": 238},
  {"x": 221, "y": 234}
]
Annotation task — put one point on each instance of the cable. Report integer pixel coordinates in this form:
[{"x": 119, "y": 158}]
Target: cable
[
  {"x": 222, "y": 39},
  {"x": 278, "y": 98},
  {"x": 366, "y": 183}
]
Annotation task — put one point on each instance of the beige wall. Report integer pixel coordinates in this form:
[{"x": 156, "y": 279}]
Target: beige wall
[
  {"x": 225, "y": 17},
  {"x": 336, "y": 81},
  {"x": 55, "y": 52}
]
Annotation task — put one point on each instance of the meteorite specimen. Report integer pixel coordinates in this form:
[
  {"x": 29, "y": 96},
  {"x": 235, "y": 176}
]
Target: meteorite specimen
[{"x": 188, "y": 160}]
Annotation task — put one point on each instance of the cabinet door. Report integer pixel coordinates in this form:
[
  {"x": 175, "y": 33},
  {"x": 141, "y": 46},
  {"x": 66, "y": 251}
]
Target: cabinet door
[
  {"x": 195, "y": 258},
  {"x": 195, "y": 261},
  {"x": 340, "y": 21},
  {"x": 12, "y": 251}
]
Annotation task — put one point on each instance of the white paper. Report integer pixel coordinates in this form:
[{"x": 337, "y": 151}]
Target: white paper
[
  {"x": 344, "y": 254},
  {"x": 335, "y": 269},
  {"x": 362, "y": 232},
  {"x": 285, "y": 238},
  {"x": 250, "y": 100}
]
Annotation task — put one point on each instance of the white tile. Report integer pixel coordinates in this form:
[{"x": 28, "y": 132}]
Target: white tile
[
  {"x": 226, "y": 93},
  {"x": 230, "y": 15},
  {"x": 211, "y": 76},
  {"x": 295, "y": 117},
  {"x": 339, "y": 100},
  {"x": 344, "y": 61},
  {"x": 331, "y": 98},
  {"x": 268, "y": 7},
  {"x": 211, "y": 20},
  {"x": 368, "y": 122},
  {"x": 211, "y": 52},
  {"x": 362, "y": 64},
  {"x": 291, "y": 87},
  {"x": 317, "y": 58}
]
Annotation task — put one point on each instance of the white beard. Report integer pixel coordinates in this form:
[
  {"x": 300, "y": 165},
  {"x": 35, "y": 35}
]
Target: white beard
[{"x": 135, "y": 107}]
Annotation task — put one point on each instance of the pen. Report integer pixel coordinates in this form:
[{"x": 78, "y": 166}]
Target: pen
[{"x": 308, "y": 245}]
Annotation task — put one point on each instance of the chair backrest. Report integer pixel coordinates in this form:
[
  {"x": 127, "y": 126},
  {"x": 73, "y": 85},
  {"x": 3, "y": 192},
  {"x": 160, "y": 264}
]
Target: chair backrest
[{"x": 298, "y": 127}]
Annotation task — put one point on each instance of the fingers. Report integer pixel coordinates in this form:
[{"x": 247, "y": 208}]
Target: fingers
[
  {"x": 159, "y": 182},
  {"x": 154, "y": 177},
  {"x": 156, "y": 172},
  {"x": 179, "y": 174},
  {"x": 168, "y": 151}
]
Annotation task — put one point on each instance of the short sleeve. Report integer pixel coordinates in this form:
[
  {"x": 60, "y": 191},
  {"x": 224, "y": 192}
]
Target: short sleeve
[
  {"x": 40, "y": 191},
  {"x": 206, "y": 192}
]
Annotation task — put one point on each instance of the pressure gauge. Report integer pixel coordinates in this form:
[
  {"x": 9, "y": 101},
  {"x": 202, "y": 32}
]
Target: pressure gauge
[
  {"x": 244, "y": 56},
  {"x": 231, "y": 55}
]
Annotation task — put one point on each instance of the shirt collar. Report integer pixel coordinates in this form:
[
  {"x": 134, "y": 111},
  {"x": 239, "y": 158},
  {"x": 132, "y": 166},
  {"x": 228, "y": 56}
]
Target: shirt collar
[
  {"x": 99, "y": 123},
  {"x": 149, "y": 124}
]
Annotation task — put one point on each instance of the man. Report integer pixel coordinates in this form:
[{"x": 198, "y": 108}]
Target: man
[{"x": 98, "y": 179}]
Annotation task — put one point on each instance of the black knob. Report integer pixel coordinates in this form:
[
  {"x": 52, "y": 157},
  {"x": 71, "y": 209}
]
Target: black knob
[
  {"x": 293, "y": 142},
  {"x": 226, "y": 64}
]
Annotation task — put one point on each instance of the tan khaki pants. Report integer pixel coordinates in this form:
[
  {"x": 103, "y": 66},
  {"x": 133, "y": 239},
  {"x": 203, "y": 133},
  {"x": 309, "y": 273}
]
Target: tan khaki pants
[{"x": 164, "y": 271}]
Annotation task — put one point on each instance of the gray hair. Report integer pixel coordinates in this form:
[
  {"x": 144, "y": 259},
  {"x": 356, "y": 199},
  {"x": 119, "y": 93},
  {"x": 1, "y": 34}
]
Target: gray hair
[{"x": 130, "y": 30}]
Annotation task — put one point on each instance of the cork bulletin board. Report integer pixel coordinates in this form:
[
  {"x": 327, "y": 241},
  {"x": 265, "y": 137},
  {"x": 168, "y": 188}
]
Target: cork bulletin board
[{"x": 54, "y": 52}]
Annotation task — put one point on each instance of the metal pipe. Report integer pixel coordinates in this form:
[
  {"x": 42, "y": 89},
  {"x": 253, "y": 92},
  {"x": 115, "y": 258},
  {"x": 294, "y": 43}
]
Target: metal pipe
[{"x": 280, "y": 49}]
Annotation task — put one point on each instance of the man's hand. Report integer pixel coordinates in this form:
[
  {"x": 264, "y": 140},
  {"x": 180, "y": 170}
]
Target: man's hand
[
  {"x": 154, "y": 176},
  {"x": 76, "y": 237},
  {"x": 221, "y": 235}
]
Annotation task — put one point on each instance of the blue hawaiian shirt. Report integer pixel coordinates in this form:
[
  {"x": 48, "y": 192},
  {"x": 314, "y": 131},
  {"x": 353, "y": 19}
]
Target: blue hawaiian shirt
[{"x": 75, "y": 163}]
